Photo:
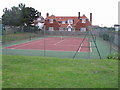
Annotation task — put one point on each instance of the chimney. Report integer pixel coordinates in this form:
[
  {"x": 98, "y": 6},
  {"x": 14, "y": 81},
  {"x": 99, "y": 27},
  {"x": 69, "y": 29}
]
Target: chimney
[
  {"x": 78, "y": 15},
  {"x": 39, "y": 14},
  {"x": 91, "y": 18},
  {"x": 47, "y": 14}
]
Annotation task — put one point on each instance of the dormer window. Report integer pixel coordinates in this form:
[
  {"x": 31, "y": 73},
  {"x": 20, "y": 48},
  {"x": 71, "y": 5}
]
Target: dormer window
[
  {"x": 83, "y": 20},
  {"x": 39, "y": 19},
  {"x": 70, "y": 21},
  {"x": 42, "y": 18},
  {"x": 63, "y": 22},
  {"x": 51, "y": 20}
]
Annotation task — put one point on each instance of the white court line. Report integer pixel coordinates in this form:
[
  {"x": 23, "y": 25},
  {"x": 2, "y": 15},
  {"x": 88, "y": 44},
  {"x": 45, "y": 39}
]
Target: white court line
[
  {"x": 90, "y": 47},
  {"x": 58, "y": 42},
  {"x": 80, "y": 47}
]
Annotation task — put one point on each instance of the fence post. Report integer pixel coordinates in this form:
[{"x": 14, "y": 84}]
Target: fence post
[
  {"x": 110, "y": 37},
  {"x": 44, "y": 42}
]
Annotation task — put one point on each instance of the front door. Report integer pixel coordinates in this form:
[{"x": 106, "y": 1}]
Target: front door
[{"x": 69, "y": 29}]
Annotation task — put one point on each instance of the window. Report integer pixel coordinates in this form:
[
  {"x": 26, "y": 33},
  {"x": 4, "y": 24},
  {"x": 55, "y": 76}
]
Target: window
[
  {"x": 63, "y": 22},
  {"x": 61, "y": 29},
  {"x": 51, "y": 20},
  {"x": 42, "y": 18},
  {"x": 82, "y": 29},
  {"x": 70, "y": 21},
  {"x": 51, "y": 28},
  {"x": 83, "y": 20},
  {"x": 39, "y": 19}
]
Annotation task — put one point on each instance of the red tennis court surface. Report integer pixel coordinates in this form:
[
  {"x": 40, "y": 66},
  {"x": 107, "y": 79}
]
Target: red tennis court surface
[{"x": 54, "y": 43}]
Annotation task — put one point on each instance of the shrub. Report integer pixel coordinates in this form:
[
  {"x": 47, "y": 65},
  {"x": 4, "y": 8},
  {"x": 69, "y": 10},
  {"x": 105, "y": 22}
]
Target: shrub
[
  {"x": 114, "y": 56},
  {"x": 105, "y": 37}
]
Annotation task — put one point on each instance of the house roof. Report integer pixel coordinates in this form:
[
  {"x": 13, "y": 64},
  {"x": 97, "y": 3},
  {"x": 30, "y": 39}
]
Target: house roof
[
  {"x": 63, "y": 25},
  {"x": 51, "y": 17},
  {"x": 83, "y": 17},
  {"x": 65, "y": 18},
  {"x": 59, "y": 19}
]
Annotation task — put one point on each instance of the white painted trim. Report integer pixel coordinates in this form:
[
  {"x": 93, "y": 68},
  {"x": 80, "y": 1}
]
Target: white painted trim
[
  {"x": 80, "y": 47},
  {"x": 90, "y": 47}
]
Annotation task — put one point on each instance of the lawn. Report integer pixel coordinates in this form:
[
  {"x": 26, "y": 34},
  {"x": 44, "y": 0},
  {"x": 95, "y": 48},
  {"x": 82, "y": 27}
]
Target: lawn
[{"x": 45, "y": 72}]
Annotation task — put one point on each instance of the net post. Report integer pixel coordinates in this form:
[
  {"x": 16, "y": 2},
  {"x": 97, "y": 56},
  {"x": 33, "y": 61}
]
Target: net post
[
  {"x": 80, "y": 45},
  {"x": 90, "y": 29}
]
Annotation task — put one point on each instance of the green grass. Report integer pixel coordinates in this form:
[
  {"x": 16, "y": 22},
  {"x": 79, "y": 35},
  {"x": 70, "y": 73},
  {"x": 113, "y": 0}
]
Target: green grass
[{"x": 41, "y": 72}]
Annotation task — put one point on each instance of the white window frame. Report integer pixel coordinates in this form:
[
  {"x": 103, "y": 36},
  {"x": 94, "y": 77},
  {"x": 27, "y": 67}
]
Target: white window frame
[
  {"x": 70, "y": 21},
  {"x": 63, "y": 22},
  {"x": 61, "y": 29},
  {"x": 83, "y": 29},
  {"x": 51, "y": 20},
  {"x": 51, "y": 28},
  {"x": 39, "y": 19},
  {"x": 83, "y": 20}
]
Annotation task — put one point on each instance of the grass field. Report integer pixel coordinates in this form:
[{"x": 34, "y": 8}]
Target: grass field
[{"x": 44, "y": 72}]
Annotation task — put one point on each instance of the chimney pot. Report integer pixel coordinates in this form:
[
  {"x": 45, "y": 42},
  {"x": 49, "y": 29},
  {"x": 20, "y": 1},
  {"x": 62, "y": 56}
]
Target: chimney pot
[
  {"x": 39, "y": 13},
  {"x": 47, "y": 14},
  {"x": 91, "y": 18},
  {"x": 78, "y": 15}
]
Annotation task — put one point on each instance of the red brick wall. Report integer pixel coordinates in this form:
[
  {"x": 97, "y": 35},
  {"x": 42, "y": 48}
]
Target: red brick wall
[
  {"x": 82, "y": 25},
  {"x": 77, "y": 27},
  {"x": 54, "y": 24}
]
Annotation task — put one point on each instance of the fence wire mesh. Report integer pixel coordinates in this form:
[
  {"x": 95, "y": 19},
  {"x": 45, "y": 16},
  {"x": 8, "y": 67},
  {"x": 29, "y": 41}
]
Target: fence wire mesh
[{"x": 99, "y": 43}]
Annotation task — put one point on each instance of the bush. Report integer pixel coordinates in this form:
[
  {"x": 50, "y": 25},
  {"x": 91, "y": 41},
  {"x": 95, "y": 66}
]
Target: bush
[
  {"x": 105, "y": 37},
  {"x": 114, "y": 56},
  {"x": 30, "y": 29}
]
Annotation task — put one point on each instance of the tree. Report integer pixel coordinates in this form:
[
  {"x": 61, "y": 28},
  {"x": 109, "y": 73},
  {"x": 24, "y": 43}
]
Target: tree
[
  {"x": 19, "y": 16},
  {"x": 11, "y": 16},
  {"x": 21, "y": 6},
  {"x": 29, "y": 14},
  {"x": 6, "y": 16}
]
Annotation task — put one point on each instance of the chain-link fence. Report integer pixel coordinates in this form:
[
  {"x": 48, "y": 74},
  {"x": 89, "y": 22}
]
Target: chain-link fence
[
  {"x": 0, "y": 57},
  {"x": 92, "y": 44}
]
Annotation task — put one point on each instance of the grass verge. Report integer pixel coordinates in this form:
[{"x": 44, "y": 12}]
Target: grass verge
[{"x": 45, "y": 72}]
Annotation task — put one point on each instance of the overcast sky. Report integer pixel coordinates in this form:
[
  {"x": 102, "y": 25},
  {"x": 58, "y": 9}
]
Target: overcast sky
[{"x": 105, "y": 12}]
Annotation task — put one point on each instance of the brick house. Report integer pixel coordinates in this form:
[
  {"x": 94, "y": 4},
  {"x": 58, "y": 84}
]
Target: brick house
[{"x": 67, "y": 23}]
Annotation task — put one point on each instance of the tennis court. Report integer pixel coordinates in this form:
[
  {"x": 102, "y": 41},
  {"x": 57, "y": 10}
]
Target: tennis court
[
  {"x": 54, "y": 44},
  {"x": 63, "y": 44}
]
